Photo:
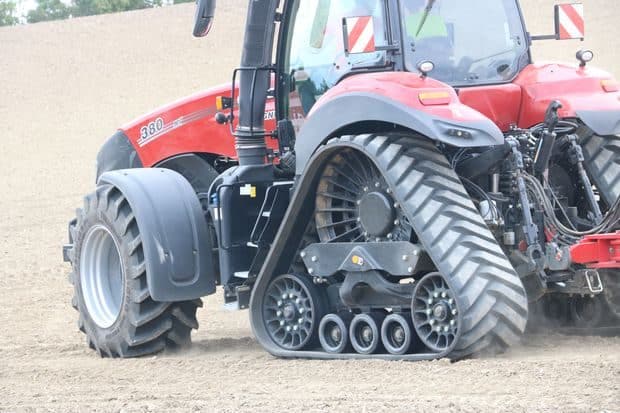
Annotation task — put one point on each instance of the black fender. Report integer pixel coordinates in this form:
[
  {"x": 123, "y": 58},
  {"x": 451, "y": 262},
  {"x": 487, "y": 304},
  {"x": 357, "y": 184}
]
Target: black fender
[
  {"x": 332, "y": 119},
  {"x": 176, "y": 242},
  {"x": 602, "y": 122},
  {"x": 117, "y": 153},
  {"x": 194, "y": 168}
]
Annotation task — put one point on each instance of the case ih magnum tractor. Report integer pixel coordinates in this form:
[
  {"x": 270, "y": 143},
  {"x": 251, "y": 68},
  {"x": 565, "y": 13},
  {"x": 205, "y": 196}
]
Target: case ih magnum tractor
[{"x": 383, "y": 179}]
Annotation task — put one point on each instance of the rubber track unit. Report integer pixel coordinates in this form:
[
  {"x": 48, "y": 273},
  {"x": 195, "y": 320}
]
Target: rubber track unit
[
  {"x": 602, "y": 155},
  {"x": 144, "y": 326},
  {"x": 493, "y": 311}
]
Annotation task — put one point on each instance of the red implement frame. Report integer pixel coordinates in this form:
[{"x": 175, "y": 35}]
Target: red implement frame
[{"x": 598, "y": 251}]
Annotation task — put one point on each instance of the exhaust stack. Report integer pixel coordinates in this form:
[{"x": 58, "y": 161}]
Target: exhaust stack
[{"x": 254, "y": 84}]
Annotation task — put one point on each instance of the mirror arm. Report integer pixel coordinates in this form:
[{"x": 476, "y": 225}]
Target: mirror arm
[{"x": 545, "y": 37}]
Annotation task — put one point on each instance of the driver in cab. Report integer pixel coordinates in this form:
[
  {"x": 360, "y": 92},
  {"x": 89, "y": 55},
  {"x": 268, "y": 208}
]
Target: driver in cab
[{"x": 428, "y": 33}]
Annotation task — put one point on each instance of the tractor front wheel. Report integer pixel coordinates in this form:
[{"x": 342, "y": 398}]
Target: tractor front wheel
[{"x": 116, "y": 311}]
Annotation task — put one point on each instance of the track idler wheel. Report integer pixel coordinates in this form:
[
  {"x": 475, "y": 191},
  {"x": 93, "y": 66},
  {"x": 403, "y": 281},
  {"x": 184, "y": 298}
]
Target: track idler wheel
[
  {"x": 435, "y": 313},
  {"x": 365, "y": 334},
  {"x": 334, "y": 333},
  {"x": 292, "y": 309},
  {"x": 397, "y": 334},
  {"x": 586, "y": 311}
]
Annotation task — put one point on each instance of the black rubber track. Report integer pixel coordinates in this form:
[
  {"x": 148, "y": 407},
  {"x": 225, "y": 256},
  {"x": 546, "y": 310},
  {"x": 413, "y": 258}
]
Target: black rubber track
[
  {"x": 144, "y": 326},
  {"x": 494, "y": 307},
  {"x": 602, "y": 161}
]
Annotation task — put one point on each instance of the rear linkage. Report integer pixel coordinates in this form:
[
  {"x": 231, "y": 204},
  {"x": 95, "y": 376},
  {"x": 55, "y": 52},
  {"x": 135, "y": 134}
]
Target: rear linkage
[{"x": 553, "y": 257}]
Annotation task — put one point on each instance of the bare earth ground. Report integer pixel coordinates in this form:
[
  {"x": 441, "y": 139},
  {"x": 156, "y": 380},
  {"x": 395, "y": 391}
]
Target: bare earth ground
[{"x": 64, "y": 87}]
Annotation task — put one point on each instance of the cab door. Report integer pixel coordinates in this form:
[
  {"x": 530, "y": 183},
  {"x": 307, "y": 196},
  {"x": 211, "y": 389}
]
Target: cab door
[{"x": 312, "y": 56}]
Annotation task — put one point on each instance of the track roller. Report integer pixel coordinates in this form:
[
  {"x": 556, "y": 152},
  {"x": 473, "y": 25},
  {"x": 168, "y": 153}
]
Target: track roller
[
  {"x": 365, "y": 334},
  {"x": 334, "y": 332},
  {"x": 397, "y": 334}
]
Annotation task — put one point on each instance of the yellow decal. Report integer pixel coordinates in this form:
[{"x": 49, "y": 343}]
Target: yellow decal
[{"x": 248, "y": 190}]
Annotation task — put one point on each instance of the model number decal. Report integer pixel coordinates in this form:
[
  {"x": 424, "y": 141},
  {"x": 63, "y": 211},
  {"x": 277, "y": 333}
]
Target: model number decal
[
  {"x": 151, "y": 129},
  {"x": 157, "y": 128},
  {"x": 270, "y": 115}
]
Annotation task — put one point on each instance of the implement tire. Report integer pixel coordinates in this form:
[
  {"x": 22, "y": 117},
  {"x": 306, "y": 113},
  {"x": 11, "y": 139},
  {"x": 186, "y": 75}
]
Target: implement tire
[{"x": 111, "y": 295}]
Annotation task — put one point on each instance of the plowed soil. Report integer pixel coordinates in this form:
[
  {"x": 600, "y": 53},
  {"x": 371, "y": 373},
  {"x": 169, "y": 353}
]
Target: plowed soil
[{"x": 65, "y": 86}]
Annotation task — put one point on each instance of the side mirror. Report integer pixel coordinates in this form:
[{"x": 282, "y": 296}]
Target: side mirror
[
  {"x": 569, "y": 21},
  {"x": 359, "y": 35},
  {"x": 203, "y": 19}
]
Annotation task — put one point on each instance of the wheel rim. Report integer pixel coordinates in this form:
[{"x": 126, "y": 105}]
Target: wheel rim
[
  {"x": 289, "y": 312},
  {"x": 435, "y": 313},
  {"x": 102, "y": 276},
  {"x": 355, "y": 203},
  {"x": 365, "y": 336}
]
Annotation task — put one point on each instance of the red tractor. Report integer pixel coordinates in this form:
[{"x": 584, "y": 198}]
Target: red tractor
[{"x": 387, "y": 179}]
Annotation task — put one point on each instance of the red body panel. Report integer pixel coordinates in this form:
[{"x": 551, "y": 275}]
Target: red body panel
[
  {"x": 576, "y": 88},
  {"x": 405, "y": 88},
  {"x": 188, "y": 125},
  {"x": 500, "y": 103}
]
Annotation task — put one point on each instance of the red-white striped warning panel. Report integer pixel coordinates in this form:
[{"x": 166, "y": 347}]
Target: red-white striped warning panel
[
  {"x": 361, "y": 34},
  {"x": 570, "y": 20}
]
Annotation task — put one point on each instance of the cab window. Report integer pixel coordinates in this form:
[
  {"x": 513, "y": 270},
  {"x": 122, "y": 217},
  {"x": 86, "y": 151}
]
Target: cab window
[{"x": 316, "y": 58}]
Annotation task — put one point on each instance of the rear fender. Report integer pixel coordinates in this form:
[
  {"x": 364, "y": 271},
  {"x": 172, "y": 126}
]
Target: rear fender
[
  {"x": 173, "y": 230},
  {"x": 585, "y": 92},
  {"x": 393, "y": 98},
  {"x": 198, "y": 171}
]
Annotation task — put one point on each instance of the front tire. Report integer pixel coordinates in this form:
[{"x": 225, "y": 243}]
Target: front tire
[{"x": 111, "y": 294}]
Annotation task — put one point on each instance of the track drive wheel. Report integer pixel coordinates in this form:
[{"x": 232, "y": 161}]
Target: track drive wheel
[
  {"x": 293, "y": 307},
  {"x": 116, "y": 311}
]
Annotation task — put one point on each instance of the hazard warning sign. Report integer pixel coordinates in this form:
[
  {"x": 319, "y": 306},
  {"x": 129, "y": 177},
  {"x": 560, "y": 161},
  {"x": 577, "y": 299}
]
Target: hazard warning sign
[
  {"x": 360, "y": 34},
  {"x": 570, "y": 21}
]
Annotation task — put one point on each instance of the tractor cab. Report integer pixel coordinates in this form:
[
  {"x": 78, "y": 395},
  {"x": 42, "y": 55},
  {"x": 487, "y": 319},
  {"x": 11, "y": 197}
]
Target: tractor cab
[
  {"x": 465, "y": 45},
  {"x": 468, "y": 43},
  {"x": 478, "y": 48}
]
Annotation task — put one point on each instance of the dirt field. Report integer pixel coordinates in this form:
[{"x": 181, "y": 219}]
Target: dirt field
[{"x": 65, "y": 87}]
